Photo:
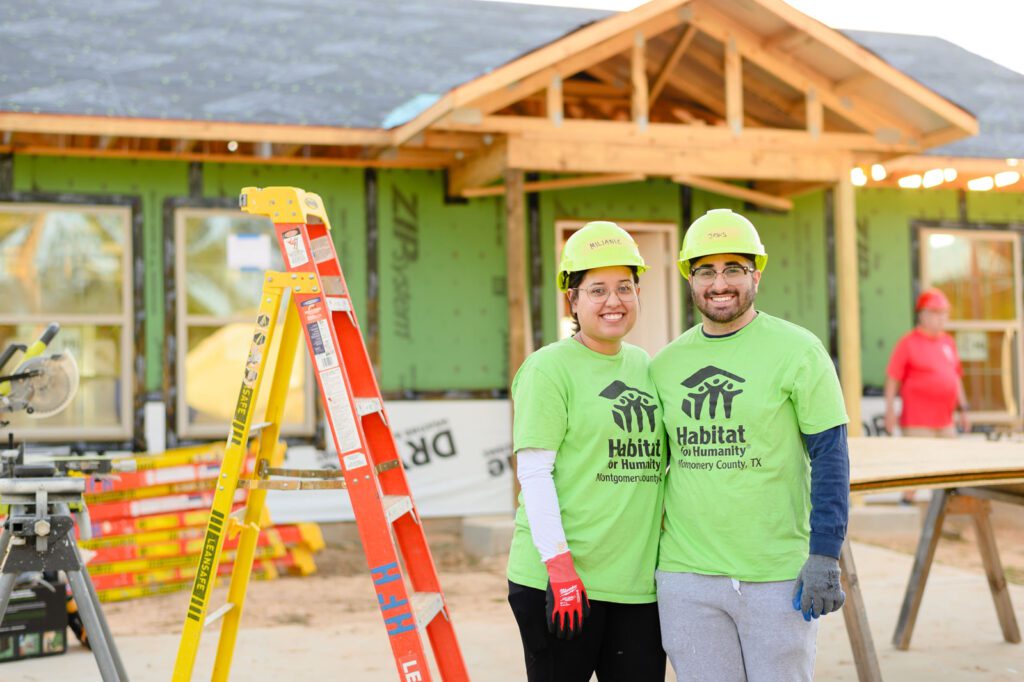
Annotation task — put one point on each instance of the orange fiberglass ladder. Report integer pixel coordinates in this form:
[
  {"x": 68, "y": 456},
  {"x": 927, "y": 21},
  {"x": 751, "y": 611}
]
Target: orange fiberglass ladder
[{"x": 404, "y": 576}]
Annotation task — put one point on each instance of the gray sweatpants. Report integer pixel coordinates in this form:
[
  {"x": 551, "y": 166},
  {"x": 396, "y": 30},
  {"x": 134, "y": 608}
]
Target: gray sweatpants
[{"x": 716, "y": 629}]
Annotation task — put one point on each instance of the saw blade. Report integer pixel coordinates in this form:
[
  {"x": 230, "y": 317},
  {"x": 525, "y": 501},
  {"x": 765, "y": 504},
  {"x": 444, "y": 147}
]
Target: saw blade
[{"x": 50, "y": 390}]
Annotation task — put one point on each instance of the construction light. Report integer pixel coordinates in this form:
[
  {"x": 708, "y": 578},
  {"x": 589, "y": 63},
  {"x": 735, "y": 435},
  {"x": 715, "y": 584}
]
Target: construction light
[
  {"x": 941, "y": 241},
  {"x": 909, "y": 182},
  {"x": 232, "y": 146},
  {"x": 932, "y": 177},
  {"x": 1007, "y": 178},
  {"x": 949, "y": 174},
  {"x": 1012, "y": 162},
  {"x": 878, "y": 172},
  {"x": 858, "y": 177},
  {"x": 982, "y": 184}
]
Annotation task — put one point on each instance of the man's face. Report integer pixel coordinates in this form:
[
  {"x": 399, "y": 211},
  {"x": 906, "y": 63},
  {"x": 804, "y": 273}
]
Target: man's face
[
  {"x": 933, "y": 320},
  {"x": 724, "y": 301}
]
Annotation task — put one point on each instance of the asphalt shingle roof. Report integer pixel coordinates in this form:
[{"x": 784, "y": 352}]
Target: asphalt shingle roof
[
  {"x": 357, "y": 63},
  {"x": 993, "y": 93}
]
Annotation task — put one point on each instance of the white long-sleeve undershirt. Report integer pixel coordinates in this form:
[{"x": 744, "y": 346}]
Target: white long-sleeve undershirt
[{"x": 533, "y": 468}]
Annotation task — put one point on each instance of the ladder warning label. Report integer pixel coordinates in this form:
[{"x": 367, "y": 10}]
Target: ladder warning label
[
  {"x": 340, "y": 410},
  {"x": 321, "y": 248},
  {"x": 294, "y": 249},
  {"x": 354, "y": 461},
  {"x": 323, "y": 348}
]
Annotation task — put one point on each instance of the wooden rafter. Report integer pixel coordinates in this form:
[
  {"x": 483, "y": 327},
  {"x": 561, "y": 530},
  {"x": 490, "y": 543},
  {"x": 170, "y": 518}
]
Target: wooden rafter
[
  {"x": 555, "y": 105},
  {"x": 678, "y": 49},
  {"x": 526, "y": 75},
  {"x": 796, "y": 73},
  {"x": 815, "y": 113},
  {"x": 736, "y": 192}
]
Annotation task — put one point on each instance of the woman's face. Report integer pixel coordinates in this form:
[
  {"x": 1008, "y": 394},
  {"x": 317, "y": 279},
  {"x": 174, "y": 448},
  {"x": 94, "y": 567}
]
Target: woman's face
[{"x": 606, "y": 303}]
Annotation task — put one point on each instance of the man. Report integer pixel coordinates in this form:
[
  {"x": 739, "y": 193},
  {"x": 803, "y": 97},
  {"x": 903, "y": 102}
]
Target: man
[
  {"x": 757, "y": 494},
  {"x": 925, "y": 370}
]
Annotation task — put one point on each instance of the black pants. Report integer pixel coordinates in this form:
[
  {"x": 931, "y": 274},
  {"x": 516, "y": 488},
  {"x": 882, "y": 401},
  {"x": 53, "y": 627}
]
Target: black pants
[{"x": 620, "y": 642}]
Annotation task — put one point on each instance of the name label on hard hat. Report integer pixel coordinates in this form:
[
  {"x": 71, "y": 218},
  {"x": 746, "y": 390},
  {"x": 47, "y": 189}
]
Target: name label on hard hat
[{"x": 605, "y": 242}]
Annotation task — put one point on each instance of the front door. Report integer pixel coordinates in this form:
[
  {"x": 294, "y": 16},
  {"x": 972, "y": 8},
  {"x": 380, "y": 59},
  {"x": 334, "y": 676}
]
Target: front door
[
  {"x": 980, "y": 272},
  {"x": 659, "y": 319}
]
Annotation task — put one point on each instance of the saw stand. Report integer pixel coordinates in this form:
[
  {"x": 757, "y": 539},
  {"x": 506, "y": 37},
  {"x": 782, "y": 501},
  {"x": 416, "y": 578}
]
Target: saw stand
[{"x": 38, "y": 535}]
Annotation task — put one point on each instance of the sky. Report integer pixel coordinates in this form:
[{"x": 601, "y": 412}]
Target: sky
[{"x": 990, "y": 28}]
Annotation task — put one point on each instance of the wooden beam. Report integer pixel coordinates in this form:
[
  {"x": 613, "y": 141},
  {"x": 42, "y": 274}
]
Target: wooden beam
[
  {"x": 815, "y": 113},
  {"x": 219, "y": 157},
  {"x": 519, "y": 333},
  {"x": 558, "y": 183},
  {"x": 683, "y": 42},
  {"x": 733, "y": 87},
  {"x": 735, "y": 191},
  {"x": 565, "y": 154},
  {"x": 555, "y": 104},
  {"x": 479, "y": 169},
  {"x": 869, "y": 61},
  {"x": 573, "y": 53},
  {"x": 797, "y": 73},
  {"x": 673, "y": 134},
  {"x": 848, "y": 304},
  {"x": 638, "y": 74},
  {"x": 61, "y": 124}
]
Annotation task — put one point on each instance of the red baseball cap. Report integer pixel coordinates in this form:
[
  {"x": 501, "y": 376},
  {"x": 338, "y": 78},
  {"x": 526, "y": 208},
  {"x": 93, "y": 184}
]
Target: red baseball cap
[{"x": 932, "y": 299}]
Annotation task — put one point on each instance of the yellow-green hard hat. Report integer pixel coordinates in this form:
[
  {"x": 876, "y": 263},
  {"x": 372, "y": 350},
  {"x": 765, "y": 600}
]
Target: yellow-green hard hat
[
  {"x": 721, "y": 231},
  {"x": 598, "y": 244}
]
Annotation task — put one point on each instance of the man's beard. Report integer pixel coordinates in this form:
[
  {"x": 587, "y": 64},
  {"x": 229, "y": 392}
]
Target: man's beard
[{"x": 744, "y": 300}]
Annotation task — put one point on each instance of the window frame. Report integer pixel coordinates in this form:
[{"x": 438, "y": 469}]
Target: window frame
[
  {"x": 129, "y": 320},
  {"x": 183, "y": 321}
]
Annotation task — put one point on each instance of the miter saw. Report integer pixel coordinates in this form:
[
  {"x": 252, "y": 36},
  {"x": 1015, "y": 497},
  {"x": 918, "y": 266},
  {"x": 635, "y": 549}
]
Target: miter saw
[{"x": 43, "y": 384}]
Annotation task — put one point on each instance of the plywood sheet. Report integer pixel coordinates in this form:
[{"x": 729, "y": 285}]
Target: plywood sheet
[{"x": 885, "y": 463}]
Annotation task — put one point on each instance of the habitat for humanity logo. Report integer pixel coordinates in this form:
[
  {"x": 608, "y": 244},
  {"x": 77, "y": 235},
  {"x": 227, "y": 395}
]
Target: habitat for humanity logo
[
  {"x": 629, "y": 403},
  {"x": 711, "y": 386}
]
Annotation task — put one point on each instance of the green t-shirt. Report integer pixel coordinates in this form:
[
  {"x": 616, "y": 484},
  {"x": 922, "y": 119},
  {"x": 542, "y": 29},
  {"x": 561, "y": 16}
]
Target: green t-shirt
[
  {"x": 601, "y": 416},
  {"x": 737, "y": 498}
]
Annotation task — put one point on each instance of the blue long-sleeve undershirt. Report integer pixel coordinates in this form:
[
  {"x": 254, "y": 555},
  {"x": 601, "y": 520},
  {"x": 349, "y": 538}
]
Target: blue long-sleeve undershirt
[{"x": 830, "y": 489}]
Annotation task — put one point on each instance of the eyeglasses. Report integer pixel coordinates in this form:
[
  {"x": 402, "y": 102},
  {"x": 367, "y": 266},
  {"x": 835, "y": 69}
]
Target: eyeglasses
[
  {"x": 733, "y": 274},
  {"x": 599, "y": 293}
]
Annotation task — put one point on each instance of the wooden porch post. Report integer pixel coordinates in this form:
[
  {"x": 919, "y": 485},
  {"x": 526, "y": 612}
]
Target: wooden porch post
[
  {"x": 848, "y": 310},
  {"x": 519, "y": 332}
]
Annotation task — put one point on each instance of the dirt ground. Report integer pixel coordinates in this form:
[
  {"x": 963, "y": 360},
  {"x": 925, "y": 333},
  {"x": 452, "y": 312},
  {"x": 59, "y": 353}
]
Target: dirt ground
[
  {"x": 342, "y": 586},
  {"x": 959, "y": 544}
]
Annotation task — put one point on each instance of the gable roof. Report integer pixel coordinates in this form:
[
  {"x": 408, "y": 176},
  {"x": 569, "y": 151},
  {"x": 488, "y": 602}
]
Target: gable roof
[
  {"x": 993, "y": 93},
  {"x": 357, "y": 64}
]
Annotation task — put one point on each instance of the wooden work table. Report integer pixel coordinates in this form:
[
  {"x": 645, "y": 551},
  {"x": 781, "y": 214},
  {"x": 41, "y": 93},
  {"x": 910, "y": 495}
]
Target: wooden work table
[{"x": 966, "y": 474}]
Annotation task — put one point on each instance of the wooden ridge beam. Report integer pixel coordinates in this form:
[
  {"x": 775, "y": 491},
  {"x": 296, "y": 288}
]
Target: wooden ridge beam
[
  {"x": 558, "y": 183},
  {"x": 479, "y": 169},
  {"x": 736, "y": 192}
]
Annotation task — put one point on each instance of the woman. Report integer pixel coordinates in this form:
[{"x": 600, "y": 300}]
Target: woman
[{"x": 591, "y": 456}]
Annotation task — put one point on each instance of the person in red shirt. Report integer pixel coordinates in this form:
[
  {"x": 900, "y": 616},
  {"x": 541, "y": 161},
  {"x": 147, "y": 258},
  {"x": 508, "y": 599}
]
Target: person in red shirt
[{"x": 925, "y": 370}]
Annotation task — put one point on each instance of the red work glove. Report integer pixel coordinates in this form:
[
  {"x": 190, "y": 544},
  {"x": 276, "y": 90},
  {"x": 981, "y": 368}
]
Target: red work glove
[{"x": 567, "y": 603}]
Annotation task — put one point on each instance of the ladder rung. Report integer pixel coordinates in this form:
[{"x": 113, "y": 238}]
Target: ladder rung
[
  {"x": 338, "y": 304},
  {"x": 365, "y": 406},
  {"x": 256, "y": 428},
  {"x": 396, "y": 505},
  {"x": 294, "y": 484},
  {"x": 223, "y": 611},
  {"x": 305, "y": 473},
  {"x": 426, "y": 605}
]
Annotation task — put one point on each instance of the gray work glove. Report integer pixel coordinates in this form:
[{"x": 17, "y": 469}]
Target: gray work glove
[{"x": 817, "y": 590}]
